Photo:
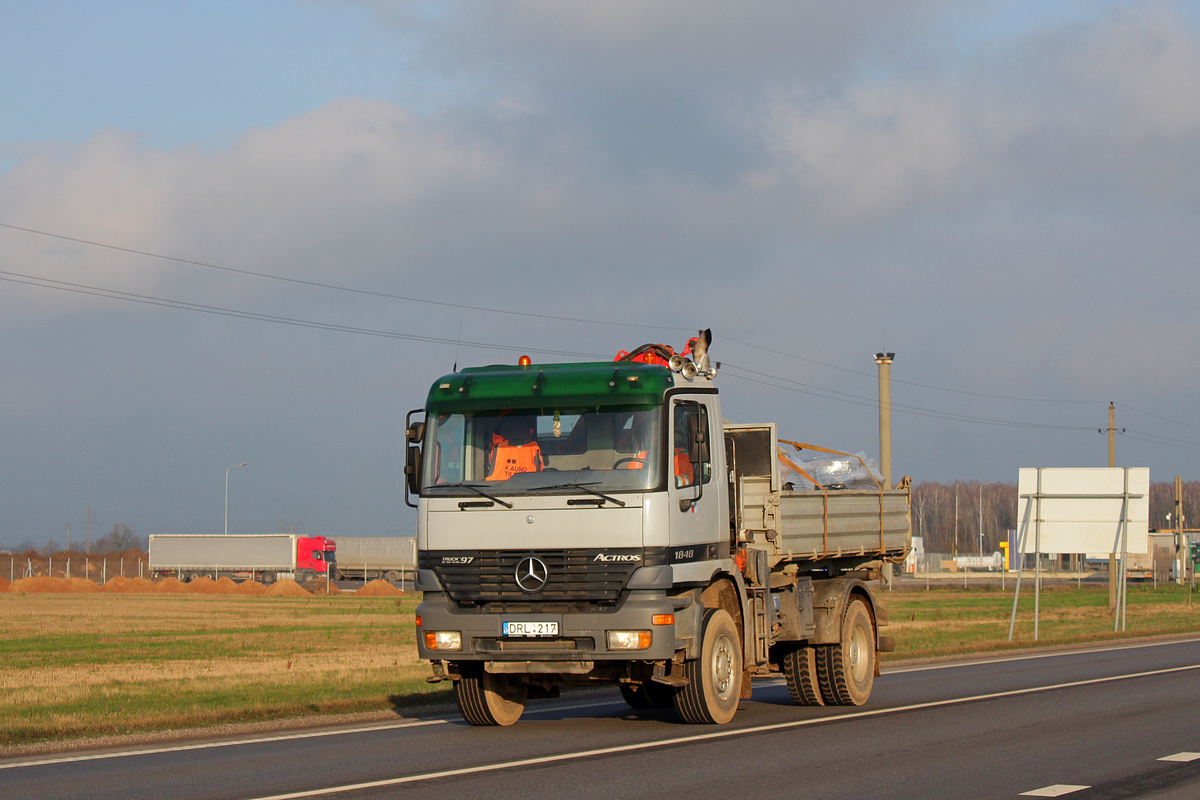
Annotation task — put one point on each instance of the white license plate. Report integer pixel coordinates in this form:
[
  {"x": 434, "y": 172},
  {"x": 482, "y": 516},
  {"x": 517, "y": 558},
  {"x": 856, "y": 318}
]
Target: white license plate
[{"x": 529, "y": 628}]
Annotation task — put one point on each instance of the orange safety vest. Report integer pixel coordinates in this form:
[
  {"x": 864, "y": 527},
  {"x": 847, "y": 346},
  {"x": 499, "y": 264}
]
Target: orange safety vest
[
  {"x": 640, "y": 454},
  {"x": 683, "y": 467},
  {"x": 511, "y": 459}
]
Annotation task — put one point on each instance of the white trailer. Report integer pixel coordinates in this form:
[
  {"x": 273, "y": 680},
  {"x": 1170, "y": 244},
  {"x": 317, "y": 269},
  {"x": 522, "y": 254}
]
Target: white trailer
[
  {"x": 392, "y": 558},
  {"x": 263, "y": 557}
]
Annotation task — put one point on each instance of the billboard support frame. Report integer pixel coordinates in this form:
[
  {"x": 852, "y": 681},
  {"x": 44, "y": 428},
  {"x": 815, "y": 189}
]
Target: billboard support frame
[{"x": 1121, "y": 539}]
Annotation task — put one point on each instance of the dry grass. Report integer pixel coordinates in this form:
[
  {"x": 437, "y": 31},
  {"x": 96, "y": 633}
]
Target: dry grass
[
  {"x": 86, "y": 664},
  {"x": 97, "y": 663},
  {"x": 948, "y": 621}
]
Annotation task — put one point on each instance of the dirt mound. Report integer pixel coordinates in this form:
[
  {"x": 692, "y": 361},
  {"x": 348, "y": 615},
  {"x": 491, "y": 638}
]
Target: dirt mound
[
  {"x": 4, "y": 584},
  {"x": 201, "y": 585},
  {"x": 170, "y": 585},
  {"x": 286, "y": 588},
  {"x": 45, "y": 585},
  {"x": 226, "y": 585},
  {"x": 251, "y": 588},
  {"x": 378, "y": 588},
  {"x": 121, "y": 585},
  {"x": 320, "y": 586}
]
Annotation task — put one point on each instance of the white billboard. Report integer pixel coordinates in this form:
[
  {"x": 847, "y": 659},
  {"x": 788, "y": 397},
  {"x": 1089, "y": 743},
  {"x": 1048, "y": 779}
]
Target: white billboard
[{"x": 1081, "y": 510}]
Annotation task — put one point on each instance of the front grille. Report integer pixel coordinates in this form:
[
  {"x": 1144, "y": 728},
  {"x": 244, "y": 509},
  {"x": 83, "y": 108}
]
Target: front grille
[
  {"x": 573, "y": 576},
  {"x": 495, "y": 644}
]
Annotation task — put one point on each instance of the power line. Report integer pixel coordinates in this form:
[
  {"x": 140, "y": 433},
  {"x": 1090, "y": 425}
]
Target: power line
[
  {"x": 1151, "y": 438},
  {"x": 814, "y": 391},
  {"x": 493, "y": 310},
  {"x": 904, "y": 409},
  {"x": 330, "y": 286},
  {"x": 907, "y": 383},
  {"x": 78, "y": 288},
  {"x": 1156, "y": 416}
]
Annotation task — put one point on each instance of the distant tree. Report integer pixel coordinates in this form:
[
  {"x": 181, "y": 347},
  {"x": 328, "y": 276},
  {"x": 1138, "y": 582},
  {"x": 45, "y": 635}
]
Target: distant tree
[
  {"x": 50, "y": 547},
  {"x": 120, "y": 538}
]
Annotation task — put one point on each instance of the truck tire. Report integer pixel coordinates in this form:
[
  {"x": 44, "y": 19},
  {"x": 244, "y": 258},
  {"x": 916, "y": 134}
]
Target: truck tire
[
  {"x": 799, "y": 666},
  {"x": 392, "y": 576},
  {"x": 846, "y": 671},
  {"x": 487, "y": 699},
  {"x": 714, "y": 680},
  {"x": 648, "y": 695}
]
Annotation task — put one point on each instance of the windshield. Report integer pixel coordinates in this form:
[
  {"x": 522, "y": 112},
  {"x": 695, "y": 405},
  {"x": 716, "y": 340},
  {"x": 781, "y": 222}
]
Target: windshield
[{"x": 543, "y": 451}]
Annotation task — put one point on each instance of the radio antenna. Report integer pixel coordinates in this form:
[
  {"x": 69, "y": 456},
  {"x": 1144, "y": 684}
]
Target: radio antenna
[{"x": 456, "y": 344}]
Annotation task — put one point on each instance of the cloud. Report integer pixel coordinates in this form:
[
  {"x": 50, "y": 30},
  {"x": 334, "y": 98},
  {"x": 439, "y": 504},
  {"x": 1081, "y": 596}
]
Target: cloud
[{"x": 806, "y": 176}]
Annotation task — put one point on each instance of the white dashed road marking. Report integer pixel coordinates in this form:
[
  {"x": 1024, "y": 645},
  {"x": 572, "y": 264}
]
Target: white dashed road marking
[
  {"x": 1057, "y": 790},
  {"x": 1181, "y": 757}
]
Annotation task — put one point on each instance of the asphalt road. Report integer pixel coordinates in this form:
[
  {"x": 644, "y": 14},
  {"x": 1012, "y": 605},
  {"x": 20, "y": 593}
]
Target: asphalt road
[{"x": 1105, "y": 722}]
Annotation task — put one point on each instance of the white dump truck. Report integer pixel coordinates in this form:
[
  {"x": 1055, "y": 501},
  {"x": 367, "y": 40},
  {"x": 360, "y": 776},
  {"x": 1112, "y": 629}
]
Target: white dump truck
[{"x": 600, "y": 523}]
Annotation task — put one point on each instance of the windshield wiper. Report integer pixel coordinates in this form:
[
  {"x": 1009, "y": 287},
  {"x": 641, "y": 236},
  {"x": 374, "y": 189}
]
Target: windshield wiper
[
  {"x": 583, "y": 487},
  {"x": 474, "y": 488}
]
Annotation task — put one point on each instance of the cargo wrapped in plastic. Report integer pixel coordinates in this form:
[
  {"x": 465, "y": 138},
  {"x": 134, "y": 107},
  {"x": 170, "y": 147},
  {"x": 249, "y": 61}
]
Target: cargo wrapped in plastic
[{"x": 831, "y": 471}]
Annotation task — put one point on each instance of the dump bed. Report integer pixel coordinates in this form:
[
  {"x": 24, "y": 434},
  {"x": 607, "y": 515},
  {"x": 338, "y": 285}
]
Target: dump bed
[
  {"x": 839, "y": 523},
  {"x": 828, "y": 525}
]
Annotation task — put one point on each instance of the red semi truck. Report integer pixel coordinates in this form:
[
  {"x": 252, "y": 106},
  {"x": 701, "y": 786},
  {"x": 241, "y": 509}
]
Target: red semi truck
[{"x": 260, "y": 557}]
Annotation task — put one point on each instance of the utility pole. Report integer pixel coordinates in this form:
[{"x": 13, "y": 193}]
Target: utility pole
[
  {"x": 884, "y": 360},
  {"x": 1113, "y": 430},
  {"x": 89, "y": 531},
  {"x": 1182, "y": 556},
  {"x": 956, "y": 519},
  {"x": 981, "y": 520}
]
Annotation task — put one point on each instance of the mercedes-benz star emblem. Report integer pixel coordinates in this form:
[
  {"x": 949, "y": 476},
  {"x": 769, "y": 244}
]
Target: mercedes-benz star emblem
[{"x": 532, "y": 574}]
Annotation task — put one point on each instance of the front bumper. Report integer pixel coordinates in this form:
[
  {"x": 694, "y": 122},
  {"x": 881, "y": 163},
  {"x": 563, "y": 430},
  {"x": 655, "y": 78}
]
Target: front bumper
[{"x": 582, "y": 637}]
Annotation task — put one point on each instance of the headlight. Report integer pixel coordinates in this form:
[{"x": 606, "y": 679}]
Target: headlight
[
  {"x": 629, "y": 640},
  {"x": 443, "y": 640}
]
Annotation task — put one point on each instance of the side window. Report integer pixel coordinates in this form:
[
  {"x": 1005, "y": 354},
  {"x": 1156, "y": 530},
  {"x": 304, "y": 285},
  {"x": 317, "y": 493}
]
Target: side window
[{"x": 691, "y": 425}]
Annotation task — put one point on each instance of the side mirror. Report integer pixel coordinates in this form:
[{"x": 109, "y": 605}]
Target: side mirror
[
  {"x": 412, "y": 469},
  {"x": 413, "y": 434},
  {"x": 698, "y": 438}
]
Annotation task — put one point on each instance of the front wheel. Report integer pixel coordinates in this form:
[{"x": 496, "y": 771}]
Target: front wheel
[
  {"x": 487, "y": 699},
  {"x": 714, "y": 681},
  {"x": 846, "y": 671}
]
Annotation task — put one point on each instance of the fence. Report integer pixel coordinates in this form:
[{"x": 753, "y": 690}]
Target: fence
[{"x": 98, "y": 568}]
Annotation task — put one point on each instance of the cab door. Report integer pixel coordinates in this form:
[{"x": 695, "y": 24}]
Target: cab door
[{"x": 695, "y": 499}]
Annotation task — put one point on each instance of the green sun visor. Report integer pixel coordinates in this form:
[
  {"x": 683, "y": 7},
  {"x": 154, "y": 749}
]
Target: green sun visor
[{"x": 586, "y": 385}]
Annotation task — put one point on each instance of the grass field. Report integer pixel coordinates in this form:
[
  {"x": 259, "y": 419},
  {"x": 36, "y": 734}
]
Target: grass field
[
  {"x": 77, "y": 665},
  {"x": 86, "y": 665}
]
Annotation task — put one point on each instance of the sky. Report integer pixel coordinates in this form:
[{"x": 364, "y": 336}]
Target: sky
[{"x": 257, "y": 232}]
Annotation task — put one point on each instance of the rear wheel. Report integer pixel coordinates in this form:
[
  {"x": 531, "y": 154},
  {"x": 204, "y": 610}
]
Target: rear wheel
[
  {"x": 846, "y": 671},
  {"x": 799, "y": 665},
  {"x": 487, "y": 699},
  {"x": 714, "y": 681}
]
